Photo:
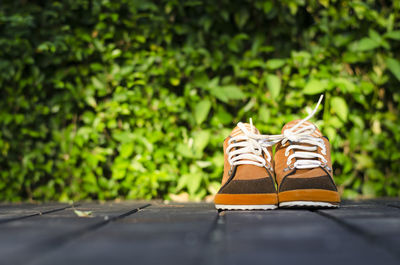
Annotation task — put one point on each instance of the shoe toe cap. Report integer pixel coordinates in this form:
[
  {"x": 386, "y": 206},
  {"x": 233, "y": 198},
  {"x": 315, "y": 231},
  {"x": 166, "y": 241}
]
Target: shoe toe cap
[{"x": 320, "y": 182}]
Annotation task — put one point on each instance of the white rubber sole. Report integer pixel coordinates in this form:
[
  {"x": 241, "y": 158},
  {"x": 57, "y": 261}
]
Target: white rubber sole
[
  {"x": 308, "y": 204},
  {"x": 245, "y": 207}
]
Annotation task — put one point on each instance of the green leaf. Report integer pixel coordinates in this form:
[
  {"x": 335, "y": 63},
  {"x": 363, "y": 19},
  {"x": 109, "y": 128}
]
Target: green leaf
[
  {"x": 325, "y": 3},
  {"x": 363, "y": 161},
  {"x": 193, "y": 182},
  {"x": 201, "y": 139},
  {"x": 126, "y": 149},
  {"x": 123, "y": 136},
  {"x": 268, "y": 5},
  {"x": 275, "y": 63},
  {"x": 184, "y": 150},
  {"x": 365, "y": 44},
  {"x": 233, "y": 92},
  {"x": 350, "y": 194},
  {"x": 345, "y": 84},
  {"x": 182, "y": 182},
  {"x": 264, "y": 114},
  {"x": 274, "y": 85},
  {"x": 241, "y": 18},
  {"x": 97, "y": 83},
  {"x": 223, "y": 116},
  {"x": 394, "y": 35},
  {"x": 174, "y": 81},
  {"x": 253, "y": 79},
  {"x": 339, "y": 106},
  {"x": 394, "y": 67},
  {"x": 314, "y": 86},
  {"x": 116, "y": 53},
  {"x": 201, "y": 110},
  {"x": 219, "y": 94},
  {"x": 91, "y": 101},
  {"x": 368, "y": 189},
  {"x": 226, "y": 93},
  {"x": 331, "y": 133},
  {"x": 374, "y": 36}
]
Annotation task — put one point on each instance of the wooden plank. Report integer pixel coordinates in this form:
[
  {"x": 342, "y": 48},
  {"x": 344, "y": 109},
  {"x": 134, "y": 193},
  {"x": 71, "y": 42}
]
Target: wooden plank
[
  {"x": 160, "y": 234},
  {"x": 296, "y": 236},
  {"x": 196, "y": 234},
  {"x": 23, "y": 241},
  {"x": 377, "y": 221}
]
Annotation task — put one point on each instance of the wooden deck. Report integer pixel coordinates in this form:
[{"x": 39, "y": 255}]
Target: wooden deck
[{"x": 364, "y": 232}]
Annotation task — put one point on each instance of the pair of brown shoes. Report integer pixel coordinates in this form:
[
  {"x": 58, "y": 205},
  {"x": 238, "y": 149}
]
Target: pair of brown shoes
[{"x": 298, "y": 175}]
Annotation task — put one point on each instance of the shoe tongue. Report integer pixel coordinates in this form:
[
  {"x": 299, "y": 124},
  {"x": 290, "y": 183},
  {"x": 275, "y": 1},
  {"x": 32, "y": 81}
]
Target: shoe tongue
[
  {"x": 316, "y": 133},
  {"x": 237, "y": 131}
]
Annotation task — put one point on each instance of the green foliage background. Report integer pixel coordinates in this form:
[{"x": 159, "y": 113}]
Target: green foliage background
[{"x": 132, "y": 99}]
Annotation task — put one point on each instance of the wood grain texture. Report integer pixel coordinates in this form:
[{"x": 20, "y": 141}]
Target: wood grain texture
[{"x": 363, "y": 232}]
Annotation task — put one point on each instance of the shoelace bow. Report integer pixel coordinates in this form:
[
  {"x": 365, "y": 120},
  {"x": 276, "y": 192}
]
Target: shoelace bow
[{"x": 249, "y": 147}]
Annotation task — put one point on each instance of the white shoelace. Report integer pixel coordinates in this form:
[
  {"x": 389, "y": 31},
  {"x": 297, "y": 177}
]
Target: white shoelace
[
  {"x": 248, "y": 148},
  {"x": 307, "y": 154}
]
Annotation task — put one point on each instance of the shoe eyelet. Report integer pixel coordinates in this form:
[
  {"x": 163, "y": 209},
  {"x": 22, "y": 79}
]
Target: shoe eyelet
[
  {"x": 269, "y": 167},
  {"x": 290, "y": 167},
  {"x": 230, "y": 171}
]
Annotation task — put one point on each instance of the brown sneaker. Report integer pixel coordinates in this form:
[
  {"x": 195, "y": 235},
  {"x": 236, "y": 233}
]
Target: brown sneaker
[
  {"x": 247, "y": 183},
  {"x": 303, "y": 167}
]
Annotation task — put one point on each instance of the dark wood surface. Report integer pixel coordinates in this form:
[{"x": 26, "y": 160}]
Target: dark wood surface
[{"x": 134, "y": 232}]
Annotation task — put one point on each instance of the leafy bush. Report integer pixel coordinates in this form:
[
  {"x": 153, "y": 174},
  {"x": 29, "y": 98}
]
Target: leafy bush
[{"x": 132, "y": 99}]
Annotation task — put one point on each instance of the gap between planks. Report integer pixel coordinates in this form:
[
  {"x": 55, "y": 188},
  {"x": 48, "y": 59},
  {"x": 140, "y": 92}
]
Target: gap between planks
[
  {"x": 17, "y": 218},
  {"x": 215, "y": 237},
  {"x": 62, "y": 240},
  {"x": 214, "y": 242}
]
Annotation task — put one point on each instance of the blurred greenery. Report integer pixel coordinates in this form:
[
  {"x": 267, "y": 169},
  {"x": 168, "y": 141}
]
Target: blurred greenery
[{"x": 133, "y": 99}]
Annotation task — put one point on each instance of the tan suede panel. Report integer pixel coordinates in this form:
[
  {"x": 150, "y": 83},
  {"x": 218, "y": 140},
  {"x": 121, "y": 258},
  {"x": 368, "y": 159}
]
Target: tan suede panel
[
  {"x": 247, "y": 172},
  {"x": 280, "y": 163},
  {"x": 308, "y": 173},
  {"x": 328, "y": 153},
  {"x": 227, "y": 166}
]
